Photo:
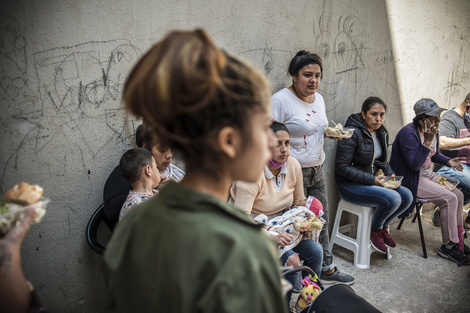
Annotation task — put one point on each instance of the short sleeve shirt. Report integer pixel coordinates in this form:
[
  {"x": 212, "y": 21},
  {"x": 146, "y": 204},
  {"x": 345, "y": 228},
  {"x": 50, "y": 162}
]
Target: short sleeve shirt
[
  {"x": 306, "y": 122},
  {"x": 455, "y": 126}
]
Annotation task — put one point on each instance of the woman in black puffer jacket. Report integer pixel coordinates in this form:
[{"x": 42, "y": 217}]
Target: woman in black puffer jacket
[{"x": 357, "y": 161}]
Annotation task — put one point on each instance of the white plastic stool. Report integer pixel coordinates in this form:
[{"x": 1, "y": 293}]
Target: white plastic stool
[{"x": 360, "y": 246}]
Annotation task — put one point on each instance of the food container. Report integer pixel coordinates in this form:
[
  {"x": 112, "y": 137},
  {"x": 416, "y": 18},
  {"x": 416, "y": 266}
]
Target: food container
[
  {"x": 12, "y": 214},
  {"x": 343, "y": 133},
  {"x": 448, "y": 182},
  {"x": 391, "y": 182}
]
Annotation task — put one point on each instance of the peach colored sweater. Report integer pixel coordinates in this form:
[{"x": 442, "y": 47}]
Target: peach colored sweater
[{"x": 261, "y": 197}]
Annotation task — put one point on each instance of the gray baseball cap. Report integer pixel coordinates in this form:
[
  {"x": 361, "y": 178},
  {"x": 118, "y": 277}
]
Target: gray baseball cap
[{"x": 428, "y": 107}]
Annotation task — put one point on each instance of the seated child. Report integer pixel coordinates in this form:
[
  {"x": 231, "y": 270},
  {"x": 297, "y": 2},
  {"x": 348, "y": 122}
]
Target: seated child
[
  {"x": 163, "y": 156},
  {"x": 117, "y": 188},
  {"x": 139, "y": 168}
]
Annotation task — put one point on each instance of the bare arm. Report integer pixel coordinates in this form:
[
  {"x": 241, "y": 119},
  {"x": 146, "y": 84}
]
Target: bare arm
[
  {"x": 451, "y": 143},
  {"x": 15, "y": 295}
]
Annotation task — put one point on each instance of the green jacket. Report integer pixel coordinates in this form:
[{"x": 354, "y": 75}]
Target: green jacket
[{"x": 185, "y": 251}]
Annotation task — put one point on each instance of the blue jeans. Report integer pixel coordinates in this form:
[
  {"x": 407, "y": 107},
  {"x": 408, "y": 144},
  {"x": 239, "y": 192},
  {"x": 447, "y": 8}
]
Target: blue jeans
[
  {"x": 315, "y": 185},
  {"x": 308, "y": 250},
  {"x": 388, "y": 203},
  {"x": 463, "y": 176}
]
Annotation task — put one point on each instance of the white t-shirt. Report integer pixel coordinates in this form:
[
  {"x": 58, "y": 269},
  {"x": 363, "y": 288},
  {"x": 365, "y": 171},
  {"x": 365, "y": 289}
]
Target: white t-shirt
[
  {"x": 306, "y": 123},
  {"x": 173, "y": 172}
]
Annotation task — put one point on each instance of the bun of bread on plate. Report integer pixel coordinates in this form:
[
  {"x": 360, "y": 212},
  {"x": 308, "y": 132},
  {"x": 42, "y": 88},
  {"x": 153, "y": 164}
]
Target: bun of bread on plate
[{"x": 16, "y": 201}]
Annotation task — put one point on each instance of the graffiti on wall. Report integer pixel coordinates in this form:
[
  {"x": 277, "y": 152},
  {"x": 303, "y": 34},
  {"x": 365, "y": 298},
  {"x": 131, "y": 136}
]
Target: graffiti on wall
[{"x": 73, "y": 113}]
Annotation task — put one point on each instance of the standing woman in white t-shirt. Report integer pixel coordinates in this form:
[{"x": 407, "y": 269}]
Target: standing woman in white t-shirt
[{"x": 302, "y": 109}]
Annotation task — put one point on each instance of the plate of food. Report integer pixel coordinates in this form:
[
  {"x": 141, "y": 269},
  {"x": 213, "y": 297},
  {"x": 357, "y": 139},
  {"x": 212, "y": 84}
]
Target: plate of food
[
  {"x": 16, "y": 201},
  {"x": 448, "y": 183},
  {"x": 339, "y": 132},
  {"x": 391, "y": 182}
]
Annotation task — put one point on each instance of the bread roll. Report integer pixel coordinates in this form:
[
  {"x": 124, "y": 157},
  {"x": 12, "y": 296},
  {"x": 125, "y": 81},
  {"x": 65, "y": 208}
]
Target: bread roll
[{"x": 24, "y": 194}]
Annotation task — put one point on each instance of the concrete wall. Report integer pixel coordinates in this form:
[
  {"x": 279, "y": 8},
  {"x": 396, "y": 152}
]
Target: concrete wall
[
  {"x": 63, "y": 63},
  {"x": 431, "y": 42}
]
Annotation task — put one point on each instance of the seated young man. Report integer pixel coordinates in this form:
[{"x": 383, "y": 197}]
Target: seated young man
[
  {"x": 454, "y": 141},
  {"x": 139, "y": 168}
]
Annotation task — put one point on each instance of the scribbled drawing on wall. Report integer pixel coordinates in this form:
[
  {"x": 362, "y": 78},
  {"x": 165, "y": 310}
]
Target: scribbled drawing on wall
[
  {"x": 341, "y": 49},
  {"x": 273, "y": 62},
  {"x": 78, "y": 92},
  {"x": 84, "y": 76},
  {"x": 458, "y": 79}
]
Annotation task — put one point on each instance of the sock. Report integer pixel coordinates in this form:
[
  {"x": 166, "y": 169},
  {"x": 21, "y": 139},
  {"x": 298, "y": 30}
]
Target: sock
[{"x": 449, "y": 246}]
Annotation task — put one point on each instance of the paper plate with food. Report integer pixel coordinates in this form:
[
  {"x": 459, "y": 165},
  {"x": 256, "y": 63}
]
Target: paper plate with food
[
  {"x": 16, "y": 201},
  {"x": 338, "y": 131},
  {"x": 448, "y": 183},
  {"x": 391, "y": 182}
]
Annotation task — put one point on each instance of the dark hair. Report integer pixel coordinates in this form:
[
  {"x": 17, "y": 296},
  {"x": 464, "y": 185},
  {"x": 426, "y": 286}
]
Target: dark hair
[
  {"x": 187, "y": 90},
  {"x": 369, "y": 102},
  {"x": 148, "y": 137},
  {"x": 138, "y": 136},
  {"x": 277, "y": 126},
  {"x": 132, "y": 163},
  {"x": 420, "y": 117},
  {"x": 301, "y": 59}
]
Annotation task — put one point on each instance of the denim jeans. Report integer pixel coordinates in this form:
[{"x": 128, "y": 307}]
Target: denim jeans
[
  {"x": 463, "y": 177},
  {"x": 315, "y": 185},
  {"x": 388, "y": 203},
  {"x": 308, "y": 250}
]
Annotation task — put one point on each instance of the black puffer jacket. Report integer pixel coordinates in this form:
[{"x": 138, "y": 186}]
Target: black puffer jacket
[{"x": 354, "y": 156}]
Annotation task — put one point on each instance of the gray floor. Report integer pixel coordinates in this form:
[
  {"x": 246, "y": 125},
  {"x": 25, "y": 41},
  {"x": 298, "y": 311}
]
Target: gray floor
[{"x": 408, "y": 282}]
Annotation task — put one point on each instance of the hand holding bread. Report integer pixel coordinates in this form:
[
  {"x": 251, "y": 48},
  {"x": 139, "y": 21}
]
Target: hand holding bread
[{"x": 16, "y": 201}]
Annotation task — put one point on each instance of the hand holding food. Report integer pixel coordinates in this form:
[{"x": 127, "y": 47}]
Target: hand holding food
[{"x": 17, "y": 201}]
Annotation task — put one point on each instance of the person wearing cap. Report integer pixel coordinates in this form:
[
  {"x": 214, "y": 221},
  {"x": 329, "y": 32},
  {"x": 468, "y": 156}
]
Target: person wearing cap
[
  {"x": 415, "y": 147},
  {"x": 454, "y": 141}
]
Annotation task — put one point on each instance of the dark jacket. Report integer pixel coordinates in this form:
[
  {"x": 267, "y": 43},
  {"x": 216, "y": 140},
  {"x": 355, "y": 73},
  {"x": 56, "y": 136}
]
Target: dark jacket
[
  {"x": 115, "y": 193},
  {"x": 408, "y": 155},
  {"x": 355, "y": 156}
]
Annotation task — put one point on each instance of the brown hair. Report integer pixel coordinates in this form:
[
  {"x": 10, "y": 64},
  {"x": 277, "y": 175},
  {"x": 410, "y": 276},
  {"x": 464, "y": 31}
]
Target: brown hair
[
  {"x": 132, "y": 163},
  {"x": 187, "y": 89}
]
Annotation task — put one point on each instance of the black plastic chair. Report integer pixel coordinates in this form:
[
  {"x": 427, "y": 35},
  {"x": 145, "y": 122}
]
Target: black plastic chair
[{"x": 92, "y": 230}]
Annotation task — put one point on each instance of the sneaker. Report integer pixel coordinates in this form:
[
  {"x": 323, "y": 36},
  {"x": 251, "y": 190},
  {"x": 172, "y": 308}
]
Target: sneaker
[
  {"x": 388, "y": 240},
  {"x": 436, "y": 217},
  {"x": 377, "y": 241},
  {"x": 336, "y": 277},
  {"x": 454, "y": 254}
]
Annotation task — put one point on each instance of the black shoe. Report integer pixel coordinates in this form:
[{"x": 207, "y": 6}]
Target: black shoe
[{"x": 454, "y": 254}]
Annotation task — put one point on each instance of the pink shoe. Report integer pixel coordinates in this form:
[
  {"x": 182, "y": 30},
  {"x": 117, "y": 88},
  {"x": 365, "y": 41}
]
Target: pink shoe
[
  {"x": 388, "y": 240},
  {"x": 377, "y": 241}
]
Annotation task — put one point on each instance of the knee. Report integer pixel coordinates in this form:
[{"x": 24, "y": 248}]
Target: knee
[
  {"x": 293, "y": 260},
  {"x": 315, "y": 250}
]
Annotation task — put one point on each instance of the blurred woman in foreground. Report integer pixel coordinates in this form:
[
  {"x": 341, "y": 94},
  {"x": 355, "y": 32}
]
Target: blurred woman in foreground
[{"x": 187, "y": 250}]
